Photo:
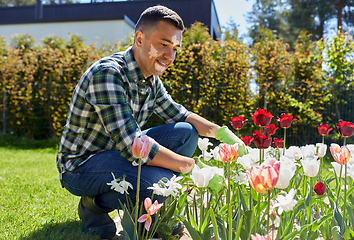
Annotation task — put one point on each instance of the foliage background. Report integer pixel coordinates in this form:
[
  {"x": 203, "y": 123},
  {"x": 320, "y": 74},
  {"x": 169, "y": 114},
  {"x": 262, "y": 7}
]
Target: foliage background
[{"x": 217, "y": 79}]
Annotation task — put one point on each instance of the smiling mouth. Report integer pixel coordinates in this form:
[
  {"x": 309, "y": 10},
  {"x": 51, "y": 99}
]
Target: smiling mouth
[{"x": 165, "y": 65}]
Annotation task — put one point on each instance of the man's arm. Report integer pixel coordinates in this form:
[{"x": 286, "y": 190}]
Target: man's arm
[
  {"x": 204, "y": 127},
  {"x": 168, "y": 159}
]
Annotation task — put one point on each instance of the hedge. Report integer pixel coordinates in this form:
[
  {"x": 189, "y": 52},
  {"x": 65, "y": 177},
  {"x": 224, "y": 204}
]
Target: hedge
[{"x": 216, "y": 79}]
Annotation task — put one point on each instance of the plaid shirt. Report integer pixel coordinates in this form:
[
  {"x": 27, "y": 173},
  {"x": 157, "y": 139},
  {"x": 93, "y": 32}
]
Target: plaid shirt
[{"x": 110, "y": 104}]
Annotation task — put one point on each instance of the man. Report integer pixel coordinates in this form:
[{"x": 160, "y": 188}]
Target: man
[{"x": 112, "y": 101}]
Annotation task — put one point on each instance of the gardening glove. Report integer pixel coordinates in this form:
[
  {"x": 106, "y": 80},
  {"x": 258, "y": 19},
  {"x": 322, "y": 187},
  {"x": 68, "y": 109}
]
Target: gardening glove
[{"x": 225, "y": 135}]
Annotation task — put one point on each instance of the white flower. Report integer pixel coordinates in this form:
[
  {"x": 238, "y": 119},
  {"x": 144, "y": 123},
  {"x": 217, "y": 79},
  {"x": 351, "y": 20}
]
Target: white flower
[
  {"x": 287, "y": 202},
  {"x": 206, "y": 156},
  {"x": 351, "y": 149},
  {"x": 311, "y": 166},
  {"x": 286, "y": 173},
  {"x": 250, "y": 159},
  {"x": 216, "y": 170},
  {"x": 169, "y": 188},
  {"x": 201, "y": 177},
  {"x": 240, "y": 177},
  {"x": 172, "y": 183},
  {"x": 215, "y": 152},
  {"x": 158, "y": 190},
  {"x": 121, "y": 186},
  {"x": 321, "y": 149},
  {"x": 293, "y": 153},
  {"x": 203, "y": 143},
  {"x": 350, "y": 170},
  {"x": 308, "y": 150}
]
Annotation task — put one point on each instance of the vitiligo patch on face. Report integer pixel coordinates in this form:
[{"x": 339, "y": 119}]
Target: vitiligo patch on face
[
  {"x": 153, "y": 52},
  {"x": 159, "y": 68},
  {"x": 175, "y": 40}
]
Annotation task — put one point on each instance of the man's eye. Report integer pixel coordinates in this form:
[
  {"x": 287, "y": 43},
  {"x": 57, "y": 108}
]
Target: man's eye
[{"x": 164, "y": 45}]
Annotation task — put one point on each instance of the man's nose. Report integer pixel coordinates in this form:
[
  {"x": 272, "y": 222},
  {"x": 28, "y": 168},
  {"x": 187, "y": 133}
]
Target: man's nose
[{"x": 170, "y": 54}]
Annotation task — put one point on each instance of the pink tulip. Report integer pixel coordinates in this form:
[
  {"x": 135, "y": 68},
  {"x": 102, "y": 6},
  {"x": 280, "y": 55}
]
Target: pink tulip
[
  {"x": 228, "y": 153},
  {"x": 340, "y": 154},
  {"x": 259, "y": 237},
  {"x": 151, "y": 210},
  {"x": 265, "y": 177},
  {"x": 141, "y": 147}
]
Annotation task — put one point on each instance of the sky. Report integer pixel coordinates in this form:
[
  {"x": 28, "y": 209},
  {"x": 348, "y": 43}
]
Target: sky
[{"x": 235, "y": 9}]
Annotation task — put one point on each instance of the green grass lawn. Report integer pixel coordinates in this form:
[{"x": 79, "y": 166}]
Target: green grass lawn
[{"x": 33, "y": 204}]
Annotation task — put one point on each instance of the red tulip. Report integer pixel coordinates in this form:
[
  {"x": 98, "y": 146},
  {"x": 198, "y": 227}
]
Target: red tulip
[
  {"x": 271, "y": 128},
  {"x": 346, "y": 129},
  {"x": 324, "y": 129},
  {"x": 237, "y": 122},
  {"x": 320, "y": 188},
  {"x": 247, "y": 140},
  {"x": 278, "y": 143},
  {"x": 262, "y": 118},
  {"x": 285, "y": 120},
  {"x": 261, "y": 141}
]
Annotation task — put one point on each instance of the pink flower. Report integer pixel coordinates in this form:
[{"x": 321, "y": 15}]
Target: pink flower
[
  {"x": 228, "y": 153},
  {"x": 141, "y": 147},
  {"x": 265, "y": 177},
  {"x": 151, "y": 210},
  {"x": 259, "y": 237},
  {"x": 340, "y": 154}
]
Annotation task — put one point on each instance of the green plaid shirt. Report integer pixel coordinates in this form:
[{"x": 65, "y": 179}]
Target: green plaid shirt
[{"x": 110, "y": 104}]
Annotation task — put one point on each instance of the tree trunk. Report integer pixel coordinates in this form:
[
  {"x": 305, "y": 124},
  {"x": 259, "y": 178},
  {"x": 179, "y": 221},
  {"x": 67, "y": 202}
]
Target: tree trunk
[{"x": 340, "y": 5}]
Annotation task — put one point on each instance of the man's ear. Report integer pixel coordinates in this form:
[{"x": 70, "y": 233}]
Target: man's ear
[{"x": 139, "y": 37}]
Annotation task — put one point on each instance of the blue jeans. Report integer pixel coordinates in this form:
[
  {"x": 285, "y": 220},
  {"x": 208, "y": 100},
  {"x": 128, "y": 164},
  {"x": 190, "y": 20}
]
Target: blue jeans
[{"x": 91, "y": 178}]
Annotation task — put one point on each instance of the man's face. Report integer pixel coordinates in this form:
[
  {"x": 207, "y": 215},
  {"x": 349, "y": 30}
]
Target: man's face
[{"x": 158, "y": 49}]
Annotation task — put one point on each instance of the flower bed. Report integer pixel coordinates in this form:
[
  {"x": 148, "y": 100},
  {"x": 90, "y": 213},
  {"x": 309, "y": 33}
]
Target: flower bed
[{"x": 267, "y": 192}]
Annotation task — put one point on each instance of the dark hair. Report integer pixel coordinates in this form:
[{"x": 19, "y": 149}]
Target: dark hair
[{"x": 151, "y": 16}]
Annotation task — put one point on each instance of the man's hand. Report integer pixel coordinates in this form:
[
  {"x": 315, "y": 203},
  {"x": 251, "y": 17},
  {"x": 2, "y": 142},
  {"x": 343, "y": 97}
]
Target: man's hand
[{"x": 225, "y": 135}]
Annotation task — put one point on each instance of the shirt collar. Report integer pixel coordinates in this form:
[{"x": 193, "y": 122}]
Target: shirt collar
[{"x": 136, "y": 74}]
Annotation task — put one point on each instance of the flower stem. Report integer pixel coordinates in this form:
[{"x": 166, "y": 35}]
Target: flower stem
[
  {"x": 345, "y": 196},
  {"x": 268, "y": 210},
  {"x": 228, "y": 201},
  {"x": 137, "y": 199},
  {"x": 284, "y": 141}
]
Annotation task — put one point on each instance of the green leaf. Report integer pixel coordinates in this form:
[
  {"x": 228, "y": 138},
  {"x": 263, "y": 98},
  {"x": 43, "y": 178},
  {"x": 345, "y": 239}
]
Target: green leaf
[
  {"x": 215, "y": 226},
  {"x": 296, "y": 233},
  {"x": 214, "y": 184},
  {"x": 339, "y": 218},
  {"x": 206, "y": 222},
  {"x": 336, "y": 233},
  {"x": 192, "y": 231},
  {"x": 320, "y": 221},
  {"x": 127, "y": 223}
]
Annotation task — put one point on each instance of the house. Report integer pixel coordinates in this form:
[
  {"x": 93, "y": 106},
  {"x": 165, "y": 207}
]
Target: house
[{"x": 98, "y": 22}]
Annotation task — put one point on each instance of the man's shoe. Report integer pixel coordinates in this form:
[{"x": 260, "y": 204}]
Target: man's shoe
[{"x": 95, "y": 219}]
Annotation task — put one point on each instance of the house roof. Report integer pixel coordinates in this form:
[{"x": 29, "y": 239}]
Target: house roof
[{"x": 203, "y": 11}]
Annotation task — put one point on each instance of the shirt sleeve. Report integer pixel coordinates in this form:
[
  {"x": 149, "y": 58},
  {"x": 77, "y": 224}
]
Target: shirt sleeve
[
  {"x": 106, "y": 93},
  {"x": 167, "y": 108}
]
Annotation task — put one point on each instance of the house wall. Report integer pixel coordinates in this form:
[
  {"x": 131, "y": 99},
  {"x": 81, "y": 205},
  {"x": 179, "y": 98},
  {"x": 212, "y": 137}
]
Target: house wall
[{"x": 96, "y": 32}]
